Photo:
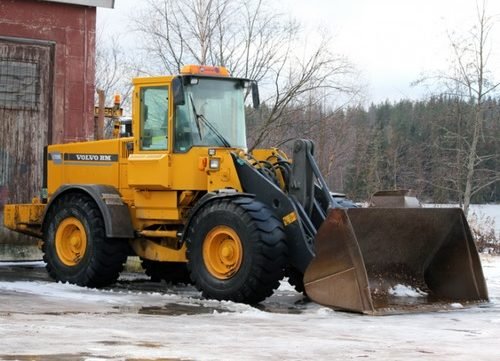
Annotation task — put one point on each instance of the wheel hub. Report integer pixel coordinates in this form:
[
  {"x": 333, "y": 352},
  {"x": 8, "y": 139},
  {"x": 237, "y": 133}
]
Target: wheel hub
[
  {"x": 227, "y": 252},
  {"x": 70, "y": 241},
  {"x": 222, "y": 252}
]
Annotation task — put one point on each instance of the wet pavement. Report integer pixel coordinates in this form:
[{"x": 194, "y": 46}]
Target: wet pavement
[
  {"x": 137, "y": 283},
  {"x": 30, "y": 293},
  {"x": 140, "y": 320},
  {"x": 74, "y": 357},
  {"x": 23, "y": 271}
]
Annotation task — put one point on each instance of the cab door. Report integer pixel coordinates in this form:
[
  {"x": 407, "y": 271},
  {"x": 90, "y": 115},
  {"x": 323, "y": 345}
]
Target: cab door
[{"x": 149, "y": 165}]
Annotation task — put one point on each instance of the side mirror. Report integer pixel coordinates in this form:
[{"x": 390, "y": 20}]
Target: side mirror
[
  {"x": 178, "y": 90},
  {"x": 255, "y": 95}
]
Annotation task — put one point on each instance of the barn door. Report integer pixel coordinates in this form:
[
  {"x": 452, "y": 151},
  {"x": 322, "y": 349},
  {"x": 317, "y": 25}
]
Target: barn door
[{"x": 25, "y": 112}]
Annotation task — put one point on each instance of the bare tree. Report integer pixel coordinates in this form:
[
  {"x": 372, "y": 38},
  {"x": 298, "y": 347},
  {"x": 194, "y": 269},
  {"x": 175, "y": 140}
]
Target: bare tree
[
  {"x": 114, "y": 69},
  {"x": 254, "y": 41},
  {"x": 471, "y": 81}
]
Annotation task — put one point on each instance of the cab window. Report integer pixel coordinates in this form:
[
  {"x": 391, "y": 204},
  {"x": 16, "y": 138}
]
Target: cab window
[{"x": 154, "y": 116}]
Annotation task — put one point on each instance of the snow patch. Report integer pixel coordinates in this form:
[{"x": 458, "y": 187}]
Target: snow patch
[
  {"x": 323, "y": 311},
  {"x": 400, "y": 290},
  {"x": 33, "y": 264}
]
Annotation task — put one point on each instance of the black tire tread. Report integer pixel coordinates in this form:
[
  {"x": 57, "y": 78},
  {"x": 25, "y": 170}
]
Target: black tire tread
[
  {"x": 104, "y": 265},
  {"x": 270, "y": 253}
]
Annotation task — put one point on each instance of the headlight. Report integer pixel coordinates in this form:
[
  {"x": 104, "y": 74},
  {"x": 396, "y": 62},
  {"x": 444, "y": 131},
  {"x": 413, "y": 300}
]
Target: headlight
[{"x": 214, "y": 164}]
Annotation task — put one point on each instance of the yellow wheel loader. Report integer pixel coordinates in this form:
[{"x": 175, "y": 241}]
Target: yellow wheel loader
[{"x": 185, "y": 195}]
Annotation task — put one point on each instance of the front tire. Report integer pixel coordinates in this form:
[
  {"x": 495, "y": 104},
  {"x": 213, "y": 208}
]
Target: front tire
[
  {"x": 75, "y": 246},
  {"x": 236, "y": 250}
]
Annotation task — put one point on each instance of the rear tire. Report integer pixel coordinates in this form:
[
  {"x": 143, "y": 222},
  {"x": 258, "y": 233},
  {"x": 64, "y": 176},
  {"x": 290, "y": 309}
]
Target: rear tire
[
  {"x": 171, "y": 272},
  {"x": 75, "y": 246},
  {"x": 236, "y": 250}
]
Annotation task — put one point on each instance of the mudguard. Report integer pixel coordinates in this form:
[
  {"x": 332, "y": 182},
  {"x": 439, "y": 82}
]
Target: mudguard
[
  {"x": 115, "y": 213},
  {"x": 206, "y": 199}
]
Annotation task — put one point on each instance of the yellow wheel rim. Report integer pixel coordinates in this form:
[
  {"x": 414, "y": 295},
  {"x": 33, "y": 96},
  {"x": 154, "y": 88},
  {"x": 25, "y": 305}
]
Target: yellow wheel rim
[
  {"x": 222, "y": 252},
  {"x": 71, "y": 241}
]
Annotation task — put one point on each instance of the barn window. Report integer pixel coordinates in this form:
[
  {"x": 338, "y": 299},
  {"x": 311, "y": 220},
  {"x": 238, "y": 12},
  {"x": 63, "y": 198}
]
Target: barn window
[{"x": 19, "y": 85}]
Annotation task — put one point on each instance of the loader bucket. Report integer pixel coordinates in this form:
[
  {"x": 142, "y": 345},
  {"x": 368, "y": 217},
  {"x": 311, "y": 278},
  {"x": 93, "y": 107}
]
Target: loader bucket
[{"x": 395, "y": 260}]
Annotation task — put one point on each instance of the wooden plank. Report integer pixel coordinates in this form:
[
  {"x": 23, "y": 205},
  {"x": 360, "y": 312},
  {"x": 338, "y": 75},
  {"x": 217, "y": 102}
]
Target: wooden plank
[{"x": 24, "y": 128}]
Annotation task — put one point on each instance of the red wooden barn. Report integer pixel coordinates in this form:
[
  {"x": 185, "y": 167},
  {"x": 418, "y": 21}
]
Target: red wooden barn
[{"x": 47, "y": 85}]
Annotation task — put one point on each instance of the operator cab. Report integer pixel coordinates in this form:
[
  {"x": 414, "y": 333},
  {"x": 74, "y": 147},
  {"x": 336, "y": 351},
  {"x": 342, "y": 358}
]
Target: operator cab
[
  {"x": 202, "y": 107},
  {"x": 209, "y": 108}
]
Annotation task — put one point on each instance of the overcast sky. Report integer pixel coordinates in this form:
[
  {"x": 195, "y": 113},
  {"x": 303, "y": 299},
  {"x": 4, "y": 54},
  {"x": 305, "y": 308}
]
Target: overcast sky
[{"x": 391, "y": 42}]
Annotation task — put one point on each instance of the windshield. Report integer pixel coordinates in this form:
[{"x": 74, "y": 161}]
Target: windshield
[{"x": 213, "y": 115}]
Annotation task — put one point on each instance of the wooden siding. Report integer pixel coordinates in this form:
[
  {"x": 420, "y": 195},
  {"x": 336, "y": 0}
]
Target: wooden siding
[{"x": 24, "y": 122}]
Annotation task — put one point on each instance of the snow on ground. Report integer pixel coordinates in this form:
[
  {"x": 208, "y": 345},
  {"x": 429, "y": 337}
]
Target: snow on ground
[{"x": 139, "y": 320}]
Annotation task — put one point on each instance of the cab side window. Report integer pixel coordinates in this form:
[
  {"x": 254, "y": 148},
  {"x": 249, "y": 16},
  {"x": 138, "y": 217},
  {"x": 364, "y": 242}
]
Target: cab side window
[
  {"x": 183, "y": 140},
  {"x": 154, "y": 118}
]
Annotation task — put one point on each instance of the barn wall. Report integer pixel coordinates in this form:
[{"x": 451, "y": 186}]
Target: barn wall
[
  {"x": 60, "y": 40},
  {"x": 72, "y": 29}
]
